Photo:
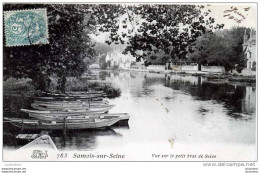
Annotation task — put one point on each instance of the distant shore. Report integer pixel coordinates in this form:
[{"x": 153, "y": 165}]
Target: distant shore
[{"x": 220, "y": 77}]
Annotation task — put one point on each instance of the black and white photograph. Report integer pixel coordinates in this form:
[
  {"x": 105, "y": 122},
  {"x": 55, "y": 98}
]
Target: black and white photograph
[{"x": 129, "y": 82}]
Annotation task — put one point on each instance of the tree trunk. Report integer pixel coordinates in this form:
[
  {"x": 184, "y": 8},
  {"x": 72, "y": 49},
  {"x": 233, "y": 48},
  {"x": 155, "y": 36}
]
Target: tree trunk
[
  {"x": 199, "y": 66},
  {"x": 62, "y": 84},
  {"x": 41, "y": 82}
]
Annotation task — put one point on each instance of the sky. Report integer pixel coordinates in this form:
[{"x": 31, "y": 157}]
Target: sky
[{"x": 218, "y": 12}]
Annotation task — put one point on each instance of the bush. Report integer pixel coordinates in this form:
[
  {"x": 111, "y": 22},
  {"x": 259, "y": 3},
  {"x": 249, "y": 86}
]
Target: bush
[
  {"x": 13, "y": 85},
  {"x": 110, "y": 91},
  {"x": 82, "y": 84},
  {"x": 102, "y": 62},
  {"x": 239, "y": 69}
]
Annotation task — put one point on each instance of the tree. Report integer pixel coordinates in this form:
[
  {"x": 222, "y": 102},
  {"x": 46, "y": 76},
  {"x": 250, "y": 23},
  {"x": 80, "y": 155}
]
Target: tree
[
  {"x": 148, "y": 29},
  {"x": 160, "y": 58},
  {"x": 102, "y": 48},
  {"x": 69, "y": 45},
  {"x": 102, "y": 62},
  {"x": 221, "y": 48}
]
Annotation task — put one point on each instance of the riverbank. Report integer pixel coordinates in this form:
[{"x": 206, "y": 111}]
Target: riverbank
[
  {"x": 210, "y": 76},
  {"x": 24, "y": 86}
]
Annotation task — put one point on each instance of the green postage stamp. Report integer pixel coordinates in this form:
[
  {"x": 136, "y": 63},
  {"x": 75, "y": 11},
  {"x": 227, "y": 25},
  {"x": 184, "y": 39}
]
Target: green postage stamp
[{"x": 26, "y": 27}]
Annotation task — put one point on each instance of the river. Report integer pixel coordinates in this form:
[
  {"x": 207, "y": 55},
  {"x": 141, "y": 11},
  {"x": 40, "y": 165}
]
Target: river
[{"x": 174, "y": 114}]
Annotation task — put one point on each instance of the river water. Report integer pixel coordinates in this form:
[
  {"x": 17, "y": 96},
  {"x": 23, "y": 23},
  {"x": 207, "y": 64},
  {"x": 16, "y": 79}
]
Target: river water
[{"x": 177, "y": 115}]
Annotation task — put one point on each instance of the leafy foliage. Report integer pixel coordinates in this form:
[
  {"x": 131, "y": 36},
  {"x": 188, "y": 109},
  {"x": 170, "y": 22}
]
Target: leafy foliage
[
  {"x": 221, "y": 48},
  {"x": 149, "y": 29},
  {"x": 102, "y": 48},
  {"x": 102, "y": 62},
  {"x": 69, "y": 45}
]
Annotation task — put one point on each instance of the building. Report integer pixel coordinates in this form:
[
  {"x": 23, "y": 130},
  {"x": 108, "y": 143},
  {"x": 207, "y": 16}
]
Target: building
[
  {"x": 249, "y": 47},
  {"x": 94, "y": 66},
  {"x": 119, "y": 60}
]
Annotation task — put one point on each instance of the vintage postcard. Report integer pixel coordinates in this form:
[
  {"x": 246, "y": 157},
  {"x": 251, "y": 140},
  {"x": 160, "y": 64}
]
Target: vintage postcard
[{"x": 130, "y": 82}]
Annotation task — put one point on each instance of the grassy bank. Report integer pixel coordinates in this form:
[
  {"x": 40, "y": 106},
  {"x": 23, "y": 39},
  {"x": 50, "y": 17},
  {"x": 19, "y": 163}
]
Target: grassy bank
[
  {"x": 249, "y": 79},
  {"x": 24, "y": 86},
  {"x": 219, "y": 77},
  {"x": 233, "y": 78},
  {"x": 83, "y": 84}
]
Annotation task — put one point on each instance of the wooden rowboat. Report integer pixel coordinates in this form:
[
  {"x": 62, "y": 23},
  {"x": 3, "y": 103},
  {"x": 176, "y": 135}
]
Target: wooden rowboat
[
  {"x": 69, "y": 111},
  {"x": 74, "y": 92},
  {"x": 71, "y": 105},
  {"x": 71, "y": 97},
  {"x": 45, "y": 107},
  {"x": 80, "y": 118},
  {"x": 43, "y": 142},
  {"x": 77, "y": 109},
  {"x": 36, "y": 124},
  {"x": 77, "y": 102},
  {"x": 84, "y": 95},
  {"x": 85, "y": 92}
]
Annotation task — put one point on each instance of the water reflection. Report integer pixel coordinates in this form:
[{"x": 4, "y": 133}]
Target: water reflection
[
  {"x": 236, "y": 98},
  {"x": 13, "y": 103},
  {"x": 81, "y": 139},
  {"x": 186, "y": 105},
  {"x": 72, "y": 140}
]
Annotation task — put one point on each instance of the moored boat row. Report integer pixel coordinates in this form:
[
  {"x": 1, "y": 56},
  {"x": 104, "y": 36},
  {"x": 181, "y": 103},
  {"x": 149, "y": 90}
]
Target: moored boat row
[{"x": 75, "y": 110}]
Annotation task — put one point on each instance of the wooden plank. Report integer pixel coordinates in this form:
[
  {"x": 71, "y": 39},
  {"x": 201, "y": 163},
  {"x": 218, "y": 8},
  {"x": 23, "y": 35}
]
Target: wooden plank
[
  {"x": 27, "y": 136},
  {"x": 18, "y": 136},
  {"x": 34, "y": 136},
  {"x": 23, "y": 136}
]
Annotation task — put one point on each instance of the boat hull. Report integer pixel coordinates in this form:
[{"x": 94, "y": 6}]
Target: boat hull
[
  {"x": 70, "y": 98},
  {"x": 66, "y": 126},
  {"x": 77, "y": 102},
  {"x": 46, "y": 107},
  {"x": 121, "y": 116},
  {"x": 69, "y": 112},
  {"x": 43, "y": 141}
]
